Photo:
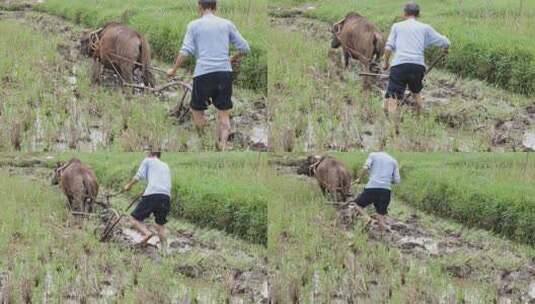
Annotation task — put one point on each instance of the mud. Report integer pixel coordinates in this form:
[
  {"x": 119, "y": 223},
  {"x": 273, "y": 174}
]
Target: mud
[
  {"x": 423, "y": 242},
  {"x": 90, "y": 132}
]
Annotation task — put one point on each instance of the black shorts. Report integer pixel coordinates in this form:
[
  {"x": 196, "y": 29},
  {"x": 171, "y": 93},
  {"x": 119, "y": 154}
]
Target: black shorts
[
  {"x": 159, "y": 204},
  {"x": 212, "y": 88},
  {"x": 380, "y": 198},
  {"x": 403, "y": 75}
]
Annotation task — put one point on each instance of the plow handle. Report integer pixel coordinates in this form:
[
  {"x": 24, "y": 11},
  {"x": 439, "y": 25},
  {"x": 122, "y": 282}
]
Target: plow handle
[{"x": 136, "y": 198}]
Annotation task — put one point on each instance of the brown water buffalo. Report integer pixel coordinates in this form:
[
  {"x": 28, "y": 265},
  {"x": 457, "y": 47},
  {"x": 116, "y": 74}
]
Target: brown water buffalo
[
  {"x": 332, "y": 175},
  {"x": 119, "y": 48},
  {"x": 79, "y": 184},
  {"x": 360, "y": 39}
]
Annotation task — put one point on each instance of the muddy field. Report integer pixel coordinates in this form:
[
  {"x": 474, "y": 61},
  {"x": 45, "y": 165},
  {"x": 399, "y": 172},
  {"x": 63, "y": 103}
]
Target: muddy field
[
  {"x": 465, "y": 109},
  {"x": 471, "y": 258},
  {"x": 205, "y": 258},
  {"x": 91, "y": 130}
]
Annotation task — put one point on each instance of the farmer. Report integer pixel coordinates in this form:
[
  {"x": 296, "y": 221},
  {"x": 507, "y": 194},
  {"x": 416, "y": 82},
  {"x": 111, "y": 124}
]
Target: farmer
[
  {"x": 383, "y": 170},
  {"x": 408, "y": 40},
  {"x": 209, "y": 39},
  {"x": 156, "y": 197}
]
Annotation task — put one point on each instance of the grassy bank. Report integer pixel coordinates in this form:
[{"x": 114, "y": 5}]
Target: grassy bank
[
  {"x": 227, "y": 192},
  {"x": 490, "y": 40},
  {"x": 164, "y": 22},
  {"x": 489, "y": 191},
  {"x": 36, "y": 267}
]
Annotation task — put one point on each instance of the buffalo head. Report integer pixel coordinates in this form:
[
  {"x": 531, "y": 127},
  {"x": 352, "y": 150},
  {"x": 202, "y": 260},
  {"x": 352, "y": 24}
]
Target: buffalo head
[
  {"x": 307, "y": 167},
  {"x": 85, "y": 44},
  {"x": 335, "y": 30},
  {"x": 57, "y": 173}
]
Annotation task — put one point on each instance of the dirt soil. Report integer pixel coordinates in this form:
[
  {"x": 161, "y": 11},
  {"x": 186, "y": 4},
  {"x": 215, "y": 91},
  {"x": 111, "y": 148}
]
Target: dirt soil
[{"x": 245, "y": 285}]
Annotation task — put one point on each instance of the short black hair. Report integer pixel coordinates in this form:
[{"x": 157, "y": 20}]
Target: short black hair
[
  {"x": 210, "y": 6},
  {"x": 412, "y": 9},
  {"x": 156, "y": 154}
]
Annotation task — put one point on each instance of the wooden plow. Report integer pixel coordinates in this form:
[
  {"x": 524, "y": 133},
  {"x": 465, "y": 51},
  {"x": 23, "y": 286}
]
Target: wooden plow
[
  {"x": 115, "y": 218},
  {"x": 181, "y": 110}
]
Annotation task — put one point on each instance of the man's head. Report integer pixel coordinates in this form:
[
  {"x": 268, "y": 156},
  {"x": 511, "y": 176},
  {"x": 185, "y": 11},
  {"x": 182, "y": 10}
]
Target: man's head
[
  {"x": 412, "y": 10},
  {"x": 153, "y": 151},
  {"x": 156, "y": 154},
  {"x": 205, "y": 5}
]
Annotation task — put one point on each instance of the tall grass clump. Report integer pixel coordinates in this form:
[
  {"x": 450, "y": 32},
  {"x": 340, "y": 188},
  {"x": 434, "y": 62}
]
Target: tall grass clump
[
  {"x": 164, "y": 22},
  {"x": 492, "y": 192}
]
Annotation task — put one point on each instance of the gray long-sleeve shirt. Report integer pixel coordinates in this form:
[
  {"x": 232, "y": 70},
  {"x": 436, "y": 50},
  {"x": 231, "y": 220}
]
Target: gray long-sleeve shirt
[
  {"x": 383, "y": 169},
  {"x": 208, "y": 39},
  {"x": 410, "y": 38},
  {"x": 157, "y": 175}
]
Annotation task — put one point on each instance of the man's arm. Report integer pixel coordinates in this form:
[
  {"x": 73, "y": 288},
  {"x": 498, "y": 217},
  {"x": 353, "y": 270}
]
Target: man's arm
[
  {"x": 396, "y": 178},
  {"x": 187, "y": 50},
  {"x": 239, "y": 43},
  {"x": 365, "y": 170},
  {"x": 390, "y": 47},
  {"x": 140, "y": 175},
  {"x": 436, "y": 39}
]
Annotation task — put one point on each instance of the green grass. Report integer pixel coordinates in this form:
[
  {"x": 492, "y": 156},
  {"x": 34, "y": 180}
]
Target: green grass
[
  {"x": 164, "y": 22},
  {"x": 36, "y": 231},
  {"x": 490, "y": 40}
]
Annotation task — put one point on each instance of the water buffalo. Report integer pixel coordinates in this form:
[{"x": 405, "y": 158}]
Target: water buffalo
[
  {"x": 119, "y": 48},
  {"x": 360, "y": 39},
  {"x": 79, "y": 184},
  {"x": 332, "y": 175}
]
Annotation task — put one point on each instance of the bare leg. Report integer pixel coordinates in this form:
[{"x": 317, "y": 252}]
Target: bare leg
[
  {"x": 392, "y": 113},
  {"x": 381, "y": 222},
  {"x": 162, "y": 236},
  {"x": 363, "y": 213},
  {"x": 141, "y": 228},
  {"x": 419, "y": 103},
  {"x": 223, "y": 129},
  {"x": 199, "y": 120}
]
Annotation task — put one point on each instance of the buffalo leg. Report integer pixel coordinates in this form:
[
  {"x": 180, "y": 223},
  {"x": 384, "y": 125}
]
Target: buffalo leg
[
  {"x": 347, "y": 58},
  {"x": 96, "y": 71}
]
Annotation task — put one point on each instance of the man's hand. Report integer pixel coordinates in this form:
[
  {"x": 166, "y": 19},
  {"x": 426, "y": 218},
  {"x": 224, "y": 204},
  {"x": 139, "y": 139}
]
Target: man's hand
[
  {"x": 171, "y": 73},
  {"x": 386, "y": 66},
  {"x": 236, "y": 59},
  {"x": 128, "y": 186}
]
